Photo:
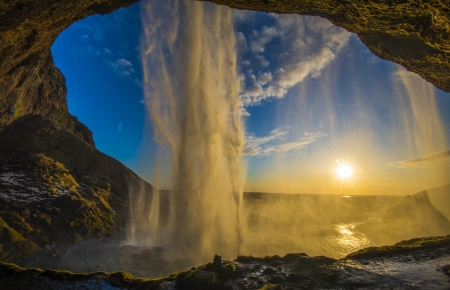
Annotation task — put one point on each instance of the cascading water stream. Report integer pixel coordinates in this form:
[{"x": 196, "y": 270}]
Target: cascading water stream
[{"x": 191, "y": 88}]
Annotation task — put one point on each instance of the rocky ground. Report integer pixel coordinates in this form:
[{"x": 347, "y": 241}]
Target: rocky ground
[
  {"x": 56, "y": 188},
  {"x": 414, "y": 264}
]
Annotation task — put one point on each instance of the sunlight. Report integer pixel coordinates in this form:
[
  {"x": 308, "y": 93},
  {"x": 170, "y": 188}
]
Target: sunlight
[{"x": 344, "y": 171}]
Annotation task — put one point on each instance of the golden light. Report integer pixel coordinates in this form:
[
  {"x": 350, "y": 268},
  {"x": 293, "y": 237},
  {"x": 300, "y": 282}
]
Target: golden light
[{"x": 344, "y": 171}]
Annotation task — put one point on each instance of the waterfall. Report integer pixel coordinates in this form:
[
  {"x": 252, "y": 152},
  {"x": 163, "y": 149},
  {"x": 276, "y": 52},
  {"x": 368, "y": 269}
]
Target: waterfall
[{"x": 191, "y": 91}]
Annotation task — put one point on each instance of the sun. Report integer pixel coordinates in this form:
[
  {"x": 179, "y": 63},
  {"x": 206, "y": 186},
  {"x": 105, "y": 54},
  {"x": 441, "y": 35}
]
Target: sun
[{"x": 344, "y": 171}]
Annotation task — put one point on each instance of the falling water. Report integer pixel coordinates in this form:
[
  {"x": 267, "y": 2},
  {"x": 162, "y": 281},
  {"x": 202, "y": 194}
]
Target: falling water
[{"x": 191, "y": 89}]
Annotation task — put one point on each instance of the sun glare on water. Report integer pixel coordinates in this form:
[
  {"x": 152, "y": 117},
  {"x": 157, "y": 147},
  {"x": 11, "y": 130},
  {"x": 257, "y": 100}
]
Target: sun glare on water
[{"x": 344, "y": 171}]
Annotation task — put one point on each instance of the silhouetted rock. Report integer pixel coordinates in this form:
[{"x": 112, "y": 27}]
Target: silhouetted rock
[
  {"x": 57, "y": 188},
  {"x": 377, "y": 268}
]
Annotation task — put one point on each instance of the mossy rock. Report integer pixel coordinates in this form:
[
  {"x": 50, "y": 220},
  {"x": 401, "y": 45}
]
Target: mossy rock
[
  {"x": 8, "y": 235},
  {"x": 272, "y": 287},
  {"x": 13, "y": 251},
  {"x": 401, "y": 247},
  {"x": 197, "y": 280}
]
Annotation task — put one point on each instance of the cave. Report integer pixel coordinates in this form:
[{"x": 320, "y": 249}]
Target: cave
[{"x": 42, "y": 139}]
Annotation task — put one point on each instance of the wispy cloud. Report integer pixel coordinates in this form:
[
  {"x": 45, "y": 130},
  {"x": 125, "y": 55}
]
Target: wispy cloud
[
  {"x": 122, "y": 67},
  {"x": 310, "y": 43},
  {"x": 86, "y": 51},
  {"x": 259, "y": 146},
  {"x": 441, "y": 158}
]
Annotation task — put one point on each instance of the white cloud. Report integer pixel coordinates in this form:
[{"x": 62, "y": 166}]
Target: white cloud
[
  {"x": 264, "y": 78},
  {"x": 122, "y": 67},
  {"x": 262, "y": 60},
  {"x": 241, "y": 41},
  {"x": 86, "y": 51},
  {"x": 138, "y": 82},
  {"x": 312, "y": 43},
  {"x": 107, "y": 51},
  {"x": 263, "y": 38},
  {"x": 441, "y": 158},
  {"x": 260, "y": 146}
]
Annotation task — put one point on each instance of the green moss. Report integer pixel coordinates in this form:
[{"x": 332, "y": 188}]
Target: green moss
[
  {"x": 118, "y": 279},
  {"x": 7, "y": 234},
  {"x": 403, "y": 246},
  {"x": 272, "y": 287},
  {"x": 13, "y": 251},
  {"x": 198, "y": 279},
  {"x": 64, "y": 275},
  {"x": 46, "y": 218},
  {"x": 68, "y": 181},
  {"x": 10, "y": 267},
  {"x": 230, "y": 267}
]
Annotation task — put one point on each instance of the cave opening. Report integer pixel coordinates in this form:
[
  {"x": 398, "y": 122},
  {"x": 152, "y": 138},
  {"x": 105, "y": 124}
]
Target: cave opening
[{"x": 312, "y": 98}]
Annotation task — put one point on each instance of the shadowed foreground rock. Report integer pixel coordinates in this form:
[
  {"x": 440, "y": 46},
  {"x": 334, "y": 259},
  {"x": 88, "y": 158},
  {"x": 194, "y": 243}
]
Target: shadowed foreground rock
[
  {"x": 420, "y": 263},
  {"x": 57, "y": 188}
]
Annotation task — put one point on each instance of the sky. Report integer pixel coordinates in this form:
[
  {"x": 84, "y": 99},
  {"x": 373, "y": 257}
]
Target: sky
[{"x": 313, "y": 97}]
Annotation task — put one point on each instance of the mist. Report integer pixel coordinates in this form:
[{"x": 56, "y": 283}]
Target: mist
[
  {"x": 191, "y": 89},
  {"x": 202, "y": 76}
]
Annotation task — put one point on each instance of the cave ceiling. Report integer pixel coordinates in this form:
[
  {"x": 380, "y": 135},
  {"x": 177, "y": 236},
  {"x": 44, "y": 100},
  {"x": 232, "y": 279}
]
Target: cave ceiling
[{"x": 414, "y": 34}]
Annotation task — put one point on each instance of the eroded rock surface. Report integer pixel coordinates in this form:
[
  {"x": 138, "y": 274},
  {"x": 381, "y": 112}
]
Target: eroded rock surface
[
  {"x": 57, "y": 188},
  {"x": 417, "y": 264}
]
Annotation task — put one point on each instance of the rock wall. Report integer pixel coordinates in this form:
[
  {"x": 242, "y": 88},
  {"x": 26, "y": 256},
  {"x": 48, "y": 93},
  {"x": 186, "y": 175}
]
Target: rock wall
[
  {"x": 29, "y": 81},
  {"x": 414, "y": 34}
]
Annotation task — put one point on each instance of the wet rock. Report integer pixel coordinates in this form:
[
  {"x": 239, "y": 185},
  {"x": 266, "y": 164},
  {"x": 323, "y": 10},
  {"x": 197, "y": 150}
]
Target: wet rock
[
  {"x": 268, "y": 271},
  {"x": 294, "y": 277},
  {"x": 277, "y": 280},
  {"x": 197, "y": 280},
  {"x": 446, "y": 269},
  {"x": 217, "y": 262},
  {"x": 311, "y": 263},
  {"x": 166, "y": 285},
  {"x": 25, "y": 213},
  {"x": 54, "y": 164},
  {"x": 272, "y": 287}
]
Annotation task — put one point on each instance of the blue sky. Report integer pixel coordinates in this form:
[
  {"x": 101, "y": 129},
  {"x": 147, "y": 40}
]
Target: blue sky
[{"x": 313, "y": 97}]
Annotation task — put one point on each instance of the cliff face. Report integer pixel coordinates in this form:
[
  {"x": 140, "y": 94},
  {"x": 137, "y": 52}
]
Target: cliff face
[
  {"x": 55, "y": 188},
  {"x": 414, "y": 34},
  {"x": 29, "y": 81}
]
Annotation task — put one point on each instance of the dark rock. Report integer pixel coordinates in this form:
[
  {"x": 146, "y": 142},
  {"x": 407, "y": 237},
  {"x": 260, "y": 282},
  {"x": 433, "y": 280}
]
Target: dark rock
[
  {"x": 54, "y": 162},
  {"x": 294, "y": 277},
  {"x": 272, "y": 287},
  {"x": 197, "y": 279},
  {"x": 217, "y": 262},
  {"x": 268, "y": 271},
  {"x": 277, "y": 280},
  {"x": 25, "y": 213},
  {"x": 310, "y": 263}
]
